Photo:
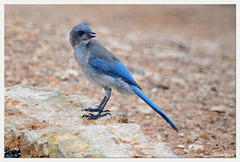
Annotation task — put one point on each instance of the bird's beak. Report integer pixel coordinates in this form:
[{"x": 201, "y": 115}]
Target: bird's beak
[{"x": 90, "y": 35}]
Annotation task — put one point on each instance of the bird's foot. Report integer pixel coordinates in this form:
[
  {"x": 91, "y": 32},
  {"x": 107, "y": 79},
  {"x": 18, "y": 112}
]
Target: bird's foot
[
  {"x": 92, "y": 117},
  {"x": 94, "y": 110}
]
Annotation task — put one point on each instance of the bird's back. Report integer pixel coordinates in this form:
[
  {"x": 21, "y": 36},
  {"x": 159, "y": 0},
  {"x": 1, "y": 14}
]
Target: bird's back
[{"x": 99, "y": 51}]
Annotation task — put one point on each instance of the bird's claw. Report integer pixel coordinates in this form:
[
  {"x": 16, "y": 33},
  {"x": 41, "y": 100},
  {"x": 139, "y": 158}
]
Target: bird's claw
[
  {"x": 91, "y": 116},
  {"x": 94, "y": 110}
]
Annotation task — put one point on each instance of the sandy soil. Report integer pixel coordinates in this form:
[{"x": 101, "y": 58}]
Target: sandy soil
[{"x": 183, "y": 57}]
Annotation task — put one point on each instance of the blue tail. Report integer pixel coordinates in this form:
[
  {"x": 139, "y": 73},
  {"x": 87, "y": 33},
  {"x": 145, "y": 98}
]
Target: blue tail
[{"x": 153, "y": 106}]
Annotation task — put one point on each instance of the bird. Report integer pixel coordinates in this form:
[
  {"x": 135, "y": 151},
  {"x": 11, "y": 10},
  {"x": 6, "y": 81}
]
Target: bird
[{"x": 101, "y": 68}]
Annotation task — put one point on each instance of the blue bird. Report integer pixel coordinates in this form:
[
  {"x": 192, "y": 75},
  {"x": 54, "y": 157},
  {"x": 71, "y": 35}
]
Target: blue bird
[{"x": 103, "y": 69}]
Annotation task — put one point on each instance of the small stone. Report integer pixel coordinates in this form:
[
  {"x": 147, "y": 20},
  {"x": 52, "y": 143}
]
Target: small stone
[
  {"x": 219, "y": 109},
  {"x": 232, "y": 143},
  {"x": 195, "y": 147},
  {"x": 154, "y": 90},
  {"x": 166, "y": 134},
  {"x": 181, "y": 146},
  {"x": 181, "y": 134},
  {"x": 203, "y": 136},
  {"x": 201, "y": 155},
  {"x": 72, "y": 72},
  {"x": 186, "y": 151},
  {"x": 178, "y": 81}
]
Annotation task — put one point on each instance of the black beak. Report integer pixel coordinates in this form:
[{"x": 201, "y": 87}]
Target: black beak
[{"x": 90, "y": 35}]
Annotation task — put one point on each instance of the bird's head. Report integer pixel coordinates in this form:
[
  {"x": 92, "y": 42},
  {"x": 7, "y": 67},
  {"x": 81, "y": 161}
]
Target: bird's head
[{"x": 80, "y": 34}]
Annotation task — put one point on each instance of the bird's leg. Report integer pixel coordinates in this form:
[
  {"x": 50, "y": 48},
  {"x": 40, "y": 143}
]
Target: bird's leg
[
  {"x": 96, "y": 109},
  {"x": 101, "y": 106}
]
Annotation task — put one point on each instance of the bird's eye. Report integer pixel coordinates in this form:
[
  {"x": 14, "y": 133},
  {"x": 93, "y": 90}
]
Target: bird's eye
[{"x": 80, "y": 32}]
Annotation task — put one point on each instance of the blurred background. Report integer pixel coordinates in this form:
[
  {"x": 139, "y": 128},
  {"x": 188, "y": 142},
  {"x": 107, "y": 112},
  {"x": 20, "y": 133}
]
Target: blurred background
[{"x": 183, "y": 57}]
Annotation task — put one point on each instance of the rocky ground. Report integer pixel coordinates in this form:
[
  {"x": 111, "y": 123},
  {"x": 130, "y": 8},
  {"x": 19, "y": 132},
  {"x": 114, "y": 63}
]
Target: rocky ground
[
  {"x": 183, "y": 57},
  {"x": 46, "y": 122}
]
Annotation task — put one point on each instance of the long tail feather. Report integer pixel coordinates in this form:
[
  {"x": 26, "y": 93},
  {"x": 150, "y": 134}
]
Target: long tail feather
[{"x": 153, "y": 106}]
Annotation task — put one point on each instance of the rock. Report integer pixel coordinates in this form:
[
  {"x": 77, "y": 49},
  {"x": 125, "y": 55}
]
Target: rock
[
  {"x": 201, "y": 155},
  {"x": 204, "y": 136},
  {"x": 219, "y": 109},
  {"x": 195, "y": 147},
  {"x": 186, "y": 151},
  {"x": 178, "y": 81},
  {"x": 181, "y": 134},
  {"x": 181, "y": 146},
  {"x": 72, "y": 72},
  {"x": 46, "y": 122}
]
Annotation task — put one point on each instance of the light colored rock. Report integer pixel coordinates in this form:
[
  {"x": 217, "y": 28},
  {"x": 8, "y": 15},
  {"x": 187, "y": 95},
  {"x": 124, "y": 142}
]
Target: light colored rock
[
  {"x": 178, "y": 81},
  {"x": 195, "y": 147},
  {"x": 46, "y": 122},
  {"x": 72, "y": 72},
  {"x": 181, "y": 146},
  {"x": 219, "y": 109},
  {"x": 181, "y": 134}
]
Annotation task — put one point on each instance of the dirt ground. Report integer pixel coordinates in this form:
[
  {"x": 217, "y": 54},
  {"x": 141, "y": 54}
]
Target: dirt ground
[{"x": 183, "y": 57}]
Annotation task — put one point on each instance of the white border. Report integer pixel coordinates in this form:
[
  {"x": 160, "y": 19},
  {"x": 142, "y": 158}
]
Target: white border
[
  {"x": 207, "y": 2},
  {"x": 2, "y": 79},
  {"x": 237, "y": 82},
  {"x": 120, "y": 2}
]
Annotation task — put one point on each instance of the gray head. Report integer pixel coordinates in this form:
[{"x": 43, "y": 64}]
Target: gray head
[{"x": 80, "y": 34}]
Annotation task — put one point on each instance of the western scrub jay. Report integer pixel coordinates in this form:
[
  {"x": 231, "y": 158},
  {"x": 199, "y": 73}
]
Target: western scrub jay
[{"x": 103, "y": 69}]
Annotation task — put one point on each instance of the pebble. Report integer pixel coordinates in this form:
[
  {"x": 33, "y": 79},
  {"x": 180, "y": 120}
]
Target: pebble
[
  {"x": 195, "y": 147},
  {"x": 181, "y": 134},
  {"x": 72, "y": 72},
  {"x": 166, "y": 134},
  {"x": 219, "y": 109},
  {"x": 181, "y": 146},
  {"x": 186, "y": 151},
  {"x": 201, "y": 155},
  {"x": 203, "y": 136},
  {"x": 178, "y": 81}
]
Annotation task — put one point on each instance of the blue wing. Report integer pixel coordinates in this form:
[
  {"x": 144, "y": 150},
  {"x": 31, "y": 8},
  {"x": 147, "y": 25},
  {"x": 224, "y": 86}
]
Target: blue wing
[{"x": 114, "y": 69}]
